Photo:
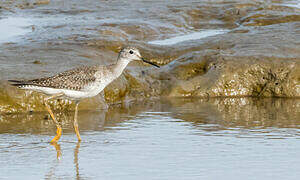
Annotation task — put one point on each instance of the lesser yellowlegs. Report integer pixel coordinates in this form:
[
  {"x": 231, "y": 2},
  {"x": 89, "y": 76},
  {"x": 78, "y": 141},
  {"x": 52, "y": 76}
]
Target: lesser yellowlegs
[{"x": 79, "y": 83}]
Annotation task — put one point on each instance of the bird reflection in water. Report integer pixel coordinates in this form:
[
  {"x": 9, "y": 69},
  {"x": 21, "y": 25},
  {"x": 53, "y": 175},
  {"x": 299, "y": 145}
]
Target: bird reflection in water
[
  {"x": 58, "y": 150},
  {"x": 57, "y": 147},
  {"x": 76, "y": 152},
  {"x": 52, "y": 169}
]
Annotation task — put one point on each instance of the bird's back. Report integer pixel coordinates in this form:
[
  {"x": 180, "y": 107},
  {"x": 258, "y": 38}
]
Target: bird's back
[
  {"x": 74, "y": 79},
  {"x": 78, "y": 83}
]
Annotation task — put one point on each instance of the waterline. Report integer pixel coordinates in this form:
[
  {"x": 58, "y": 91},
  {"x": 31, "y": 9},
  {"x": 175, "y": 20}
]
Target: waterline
[{"x": 187, "y": 37}]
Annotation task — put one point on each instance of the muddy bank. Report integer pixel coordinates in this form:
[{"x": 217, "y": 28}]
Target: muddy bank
[{"x": 206, "y": 49}]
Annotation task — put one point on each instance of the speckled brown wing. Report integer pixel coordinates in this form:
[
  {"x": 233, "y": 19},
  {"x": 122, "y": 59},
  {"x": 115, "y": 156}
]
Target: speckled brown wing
[{"x": 74, "y": 79}]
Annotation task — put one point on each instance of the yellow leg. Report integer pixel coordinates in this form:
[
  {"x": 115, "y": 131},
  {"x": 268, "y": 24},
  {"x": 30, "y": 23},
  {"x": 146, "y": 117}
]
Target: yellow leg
[
  {"x": 76, "y": 123},
  {"x": 58, "y": 127}
]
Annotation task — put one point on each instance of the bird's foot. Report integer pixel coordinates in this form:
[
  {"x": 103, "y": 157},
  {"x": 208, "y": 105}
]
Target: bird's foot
[{"x": 58, "y": 135}]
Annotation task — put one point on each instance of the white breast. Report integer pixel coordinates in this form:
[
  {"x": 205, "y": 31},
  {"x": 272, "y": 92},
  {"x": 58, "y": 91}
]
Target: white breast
[{"x": 96, "y": 87}]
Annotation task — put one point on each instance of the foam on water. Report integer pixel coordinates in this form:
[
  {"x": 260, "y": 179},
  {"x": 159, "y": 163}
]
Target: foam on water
[
  {"x": 187, "y": 37},
  {"x": 295, "y": 4},
  {"x": 12, "y": 27}
]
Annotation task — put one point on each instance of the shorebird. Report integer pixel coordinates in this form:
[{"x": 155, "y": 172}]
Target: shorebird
[{"x": 79, "y": 83}]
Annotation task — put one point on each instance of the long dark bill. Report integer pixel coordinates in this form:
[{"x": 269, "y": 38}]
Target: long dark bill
[{"x": 150, "y": 63}]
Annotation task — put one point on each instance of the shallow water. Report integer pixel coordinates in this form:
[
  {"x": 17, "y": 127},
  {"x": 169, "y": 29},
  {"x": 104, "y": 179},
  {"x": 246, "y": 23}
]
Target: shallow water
[
  {"x": 187, "y": 37},
  {"x": 236, "y": 138},
  {"x": 13, "y": 27}
]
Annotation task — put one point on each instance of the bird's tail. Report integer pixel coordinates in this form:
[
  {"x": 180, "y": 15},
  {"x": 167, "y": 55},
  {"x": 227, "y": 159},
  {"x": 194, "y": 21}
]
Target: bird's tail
[{"x": 18, "y": 83}]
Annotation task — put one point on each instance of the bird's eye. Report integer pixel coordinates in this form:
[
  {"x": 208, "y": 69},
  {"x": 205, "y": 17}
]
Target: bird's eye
[{"x": 131, "y": 52}]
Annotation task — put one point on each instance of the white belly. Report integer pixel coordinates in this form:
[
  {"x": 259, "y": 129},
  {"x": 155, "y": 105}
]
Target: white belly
[
  {"x": 90, "y": 90},
  {"x": 72, "y": 94},
  {"x": 96, "y": 87}
]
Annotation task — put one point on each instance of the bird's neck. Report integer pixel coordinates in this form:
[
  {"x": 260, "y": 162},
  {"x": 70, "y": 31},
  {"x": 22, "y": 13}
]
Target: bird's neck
[{"x": 120, "y": 66}]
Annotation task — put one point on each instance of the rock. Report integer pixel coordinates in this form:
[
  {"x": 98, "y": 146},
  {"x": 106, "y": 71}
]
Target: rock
[
  {"x": 227, "y": 77},
  {"x": 259, "y": 56}
]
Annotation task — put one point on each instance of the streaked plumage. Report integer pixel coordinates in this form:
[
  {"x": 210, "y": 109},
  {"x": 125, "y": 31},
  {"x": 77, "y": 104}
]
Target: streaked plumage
[
  {"x": 74, "y": 79},
  {"x": 79, "y": 83},
  {"x": 82, "y": 82}
]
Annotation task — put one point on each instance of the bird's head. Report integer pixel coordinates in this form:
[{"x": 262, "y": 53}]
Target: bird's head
[{"x": 132, "y": 53}]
